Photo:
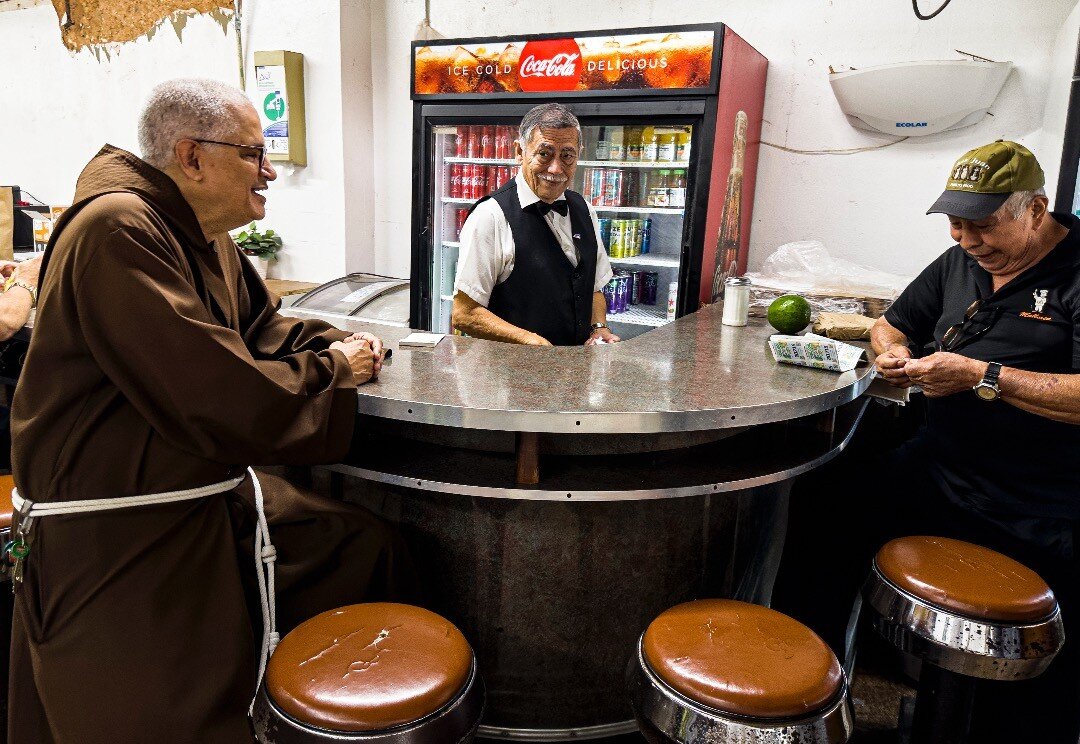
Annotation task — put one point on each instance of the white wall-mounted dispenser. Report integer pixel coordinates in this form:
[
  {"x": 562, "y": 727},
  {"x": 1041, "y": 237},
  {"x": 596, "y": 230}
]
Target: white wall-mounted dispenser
[{"x": 919, "y": 98}]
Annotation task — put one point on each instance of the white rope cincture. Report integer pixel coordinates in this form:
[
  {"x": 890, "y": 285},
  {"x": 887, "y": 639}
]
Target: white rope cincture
[
  {"x": 265, "y": 553},
  {"x": 265, "y": 556}
]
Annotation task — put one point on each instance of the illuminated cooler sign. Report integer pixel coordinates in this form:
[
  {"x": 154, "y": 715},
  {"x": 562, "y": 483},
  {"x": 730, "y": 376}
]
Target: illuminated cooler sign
[{"x": 631, "y": 62}]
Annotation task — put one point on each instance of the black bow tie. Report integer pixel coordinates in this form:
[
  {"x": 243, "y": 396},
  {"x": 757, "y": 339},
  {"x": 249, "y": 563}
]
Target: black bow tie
[{"x": 542, "y": 207}]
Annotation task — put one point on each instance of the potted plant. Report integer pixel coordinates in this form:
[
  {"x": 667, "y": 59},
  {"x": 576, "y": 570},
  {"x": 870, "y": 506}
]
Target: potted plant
[{"x": 262, "y": 247}]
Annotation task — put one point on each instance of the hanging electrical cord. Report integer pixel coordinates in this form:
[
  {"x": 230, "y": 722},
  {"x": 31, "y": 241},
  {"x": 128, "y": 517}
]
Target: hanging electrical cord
[
  {"x": 424, "y": 31},
  {"x": 841, "y": 151},
  {"x": 238, "y": 14},
  {"x": 921, "y": 17}
]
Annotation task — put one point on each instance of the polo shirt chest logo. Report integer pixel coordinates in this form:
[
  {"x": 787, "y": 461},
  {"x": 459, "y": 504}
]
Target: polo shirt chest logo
[{"x": 1036, "y": 312}]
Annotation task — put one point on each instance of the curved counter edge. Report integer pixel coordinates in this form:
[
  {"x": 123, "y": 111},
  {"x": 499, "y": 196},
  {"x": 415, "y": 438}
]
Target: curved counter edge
[{"x": 693, "y": 374}]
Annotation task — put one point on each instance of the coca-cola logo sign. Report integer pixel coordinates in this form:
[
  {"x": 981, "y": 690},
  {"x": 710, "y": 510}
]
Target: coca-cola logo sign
[{"x": 550, "y": 64}]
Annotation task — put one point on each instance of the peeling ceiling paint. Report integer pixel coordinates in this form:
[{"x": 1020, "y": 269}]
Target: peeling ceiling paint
[{"x": 102, "y": 25}]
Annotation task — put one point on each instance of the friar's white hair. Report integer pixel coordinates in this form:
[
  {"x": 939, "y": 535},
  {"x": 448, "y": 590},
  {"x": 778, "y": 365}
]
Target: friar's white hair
[{"x": 186, "y": 107}]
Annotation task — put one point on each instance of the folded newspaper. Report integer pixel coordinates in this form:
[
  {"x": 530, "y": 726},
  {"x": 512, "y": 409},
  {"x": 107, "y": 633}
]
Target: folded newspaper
[{"x": 811, "y": 350}]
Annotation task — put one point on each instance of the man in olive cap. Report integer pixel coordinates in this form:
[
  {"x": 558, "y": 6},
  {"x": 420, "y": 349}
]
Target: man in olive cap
[{"x": 990, "y": 331}]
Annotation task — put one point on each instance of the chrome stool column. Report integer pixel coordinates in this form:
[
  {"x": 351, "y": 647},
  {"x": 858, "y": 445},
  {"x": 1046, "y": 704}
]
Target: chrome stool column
[
  {"x": 720, "y": 671},
  {"x": 378, "y": 673},
  {"x": 967, "y": 613}
]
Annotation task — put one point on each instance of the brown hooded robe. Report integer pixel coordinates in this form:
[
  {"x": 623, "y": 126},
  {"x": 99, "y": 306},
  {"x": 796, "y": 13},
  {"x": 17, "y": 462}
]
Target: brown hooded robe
[{"x": 159, "y": 362}]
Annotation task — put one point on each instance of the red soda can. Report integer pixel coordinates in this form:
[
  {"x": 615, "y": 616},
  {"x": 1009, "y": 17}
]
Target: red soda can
[
  {"x": 478, "y": 179},
  {"x": 487, "y": 142},
  {"x": 462, "y": 215},
  {"x": 502, "y": 142},
  {"x": 489, "y": 179},
  {"x": 466, "y": 181},
  {"x": 502, "y": 175},
  {"x": 455, "y": 180},
  {"x": 461, "y": 142},
  {"x": 473, "y": 150}
]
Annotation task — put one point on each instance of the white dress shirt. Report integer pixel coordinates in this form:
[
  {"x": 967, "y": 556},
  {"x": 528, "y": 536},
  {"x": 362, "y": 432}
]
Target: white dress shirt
[{"x": 487, "y": 251}]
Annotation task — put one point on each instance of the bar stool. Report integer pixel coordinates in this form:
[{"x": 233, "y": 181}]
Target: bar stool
[
  {"x": 719, "y": 670},
  {"x": 968, "y": 613},
  {"x": 7, "y": 483},
  {"x": 378, "y": 673}
]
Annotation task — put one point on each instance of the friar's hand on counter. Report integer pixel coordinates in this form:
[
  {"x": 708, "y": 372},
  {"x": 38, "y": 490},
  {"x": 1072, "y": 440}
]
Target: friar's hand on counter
[
  {"x": 361, "y": 358},
  {"x": 892, "y": 365},
  {"x": 944, "y": 373},
  {"x": 534, "y": 339},
  {"x": 376, "y": 345}
]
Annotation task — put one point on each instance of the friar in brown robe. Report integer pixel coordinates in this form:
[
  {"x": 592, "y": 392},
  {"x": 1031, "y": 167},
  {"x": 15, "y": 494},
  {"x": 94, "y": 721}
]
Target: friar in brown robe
[{"x": 159, "y": 362}]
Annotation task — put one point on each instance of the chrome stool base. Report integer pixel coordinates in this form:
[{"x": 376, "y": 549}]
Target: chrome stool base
[
  {"x": 974, "y": 648},
  {"x": 956, "y": 651},
  {"x": 666, "y": 716},
  {"x": 454, "y": 723}
]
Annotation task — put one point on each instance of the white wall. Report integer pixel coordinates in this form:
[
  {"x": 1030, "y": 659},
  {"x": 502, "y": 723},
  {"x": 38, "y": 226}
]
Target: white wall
[
  {"x": 867, "y": 207},
  {"x": 350, "y": 209},
  {"x": 60, "y": 107}
]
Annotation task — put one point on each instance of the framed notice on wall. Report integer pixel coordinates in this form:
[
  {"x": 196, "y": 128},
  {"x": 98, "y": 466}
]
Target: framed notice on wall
[
  {"x": 634, "y": 61},
  {"x": 279, "y": 99}
]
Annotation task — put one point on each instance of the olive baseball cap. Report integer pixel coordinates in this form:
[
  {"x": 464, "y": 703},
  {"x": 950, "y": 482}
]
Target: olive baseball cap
[{"x": 982, "y": 179}]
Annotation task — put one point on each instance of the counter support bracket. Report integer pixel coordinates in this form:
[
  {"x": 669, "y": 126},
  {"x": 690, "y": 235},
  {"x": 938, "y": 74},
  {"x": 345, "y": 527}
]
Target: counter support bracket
[{"x": 528, "y": 458}]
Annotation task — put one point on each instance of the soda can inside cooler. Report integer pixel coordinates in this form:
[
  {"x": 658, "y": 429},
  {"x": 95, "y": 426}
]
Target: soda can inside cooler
[
  {"x": 638, "y": 289},
  {"x": 475, "y": 135},
  {"x": 461, "y": 142},
  {"x": 615, "y": 238},
  {"x": 605, "y": 234},
  {"x": 596, "y": 186},
  {"x": 609, "y": 295},
  {"x": 646, "y": 235},
  {"x": 631, "y": 236},
  {"x": 649, "y": 286}
]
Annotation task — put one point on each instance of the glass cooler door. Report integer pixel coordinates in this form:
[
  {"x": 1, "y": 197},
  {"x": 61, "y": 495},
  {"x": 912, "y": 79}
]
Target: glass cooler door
[
  {"x": 470, "y": 162},
  {"x": 636, "y": 176}
]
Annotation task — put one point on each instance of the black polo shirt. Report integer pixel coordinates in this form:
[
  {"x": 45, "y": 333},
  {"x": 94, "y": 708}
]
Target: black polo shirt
[{"x": 991, "y": 455}]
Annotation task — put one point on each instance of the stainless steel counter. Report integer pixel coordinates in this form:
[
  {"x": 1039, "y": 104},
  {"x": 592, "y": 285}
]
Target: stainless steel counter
[{"x": 694, "y": 374}]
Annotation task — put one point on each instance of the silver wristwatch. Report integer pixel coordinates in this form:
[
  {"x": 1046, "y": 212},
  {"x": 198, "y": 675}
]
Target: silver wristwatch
[{"x": 988, "y": 389}]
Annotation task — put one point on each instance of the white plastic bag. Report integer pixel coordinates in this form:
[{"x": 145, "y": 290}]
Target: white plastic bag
[{"x": 806, "y": 266}]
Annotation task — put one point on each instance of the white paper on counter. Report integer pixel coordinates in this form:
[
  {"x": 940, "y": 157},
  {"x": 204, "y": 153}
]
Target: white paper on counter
[
  {"x": 812, "y": 350},
  {"x": 422, "y": 339}
]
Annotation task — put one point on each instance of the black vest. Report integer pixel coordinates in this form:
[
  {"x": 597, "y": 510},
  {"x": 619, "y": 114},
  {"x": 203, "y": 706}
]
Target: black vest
[{"x": 545, "y": 293}]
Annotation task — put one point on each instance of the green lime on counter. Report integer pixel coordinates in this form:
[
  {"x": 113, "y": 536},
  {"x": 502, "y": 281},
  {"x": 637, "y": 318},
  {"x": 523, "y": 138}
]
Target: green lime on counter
[{"x": 789, "y": 314}]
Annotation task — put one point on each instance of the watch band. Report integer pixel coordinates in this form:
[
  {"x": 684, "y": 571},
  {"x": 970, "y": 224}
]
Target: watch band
[
  {"x": 993, "y": 371},
  {"x": 28, "y": 288},
  {"x": 598, "y": 326}
]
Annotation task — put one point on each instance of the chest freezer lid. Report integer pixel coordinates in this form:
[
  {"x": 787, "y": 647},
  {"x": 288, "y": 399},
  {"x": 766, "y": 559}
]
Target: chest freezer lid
[{"x": 368, "y": 296}]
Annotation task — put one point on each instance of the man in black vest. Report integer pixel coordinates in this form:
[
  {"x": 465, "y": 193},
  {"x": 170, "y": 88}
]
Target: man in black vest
[{"x": 532, "y": 262}]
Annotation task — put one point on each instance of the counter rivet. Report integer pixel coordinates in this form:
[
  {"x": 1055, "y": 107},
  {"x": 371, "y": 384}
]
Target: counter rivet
[
  {"x": 419, "y": 483},
  {"x": 567, "y": 495},
  {"x": 577, "y": 423},
  {"x": 410, "y": 410},
  {"x": 732, "y": 418}
]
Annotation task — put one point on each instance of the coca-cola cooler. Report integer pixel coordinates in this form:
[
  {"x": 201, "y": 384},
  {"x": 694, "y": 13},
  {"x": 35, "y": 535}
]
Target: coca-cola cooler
[{"x": 660, "y": 114}]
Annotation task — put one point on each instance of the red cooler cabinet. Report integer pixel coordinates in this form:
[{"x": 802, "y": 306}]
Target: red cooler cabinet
[{"x": 658, "y": 110}]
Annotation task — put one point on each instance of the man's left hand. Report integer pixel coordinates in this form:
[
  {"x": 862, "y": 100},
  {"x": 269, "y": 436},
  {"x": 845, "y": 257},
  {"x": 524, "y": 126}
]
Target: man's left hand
[
  {"x": 945, "y": 373},
  {"x": 604, "y": 334},
  {"x": 376, "y": 345}
]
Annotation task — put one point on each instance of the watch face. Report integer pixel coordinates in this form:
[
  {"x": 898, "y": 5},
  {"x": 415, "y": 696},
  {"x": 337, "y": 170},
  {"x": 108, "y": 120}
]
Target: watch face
[{"x": 986, "y": 392}]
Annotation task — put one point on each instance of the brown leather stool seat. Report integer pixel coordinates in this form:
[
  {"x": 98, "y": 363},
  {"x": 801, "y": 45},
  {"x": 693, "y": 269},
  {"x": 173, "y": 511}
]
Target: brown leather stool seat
[
  {"x": 6, "y": 510},
  {"x": 7, "y": 483},
  {"x": 1002, "y": 619},
  {"x": 965, "y": 611},
  {"x": 720, "y": 670},
  {"x": 378, "y": 672}
]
